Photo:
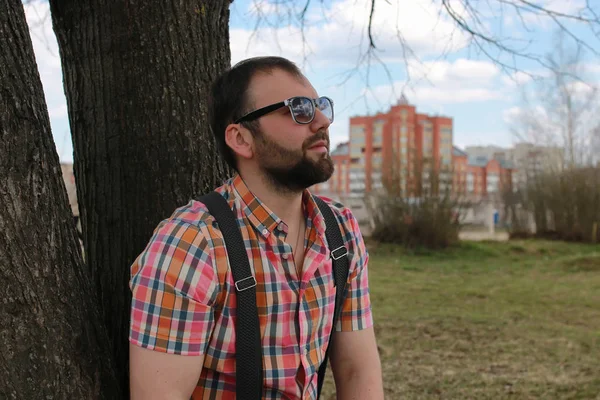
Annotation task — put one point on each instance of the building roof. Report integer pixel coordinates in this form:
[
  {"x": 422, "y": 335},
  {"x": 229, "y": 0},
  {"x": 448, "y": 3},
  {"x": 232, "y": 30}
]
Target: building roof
[
  {"x": 403, "y": 100},
  {"x": 478, "y": 161},
  {"x": 342, "y": 149},
  {"x": 483, "y": 161},
  {"x": 506, "y": 164},
  {"x": 458, "y": 152}
]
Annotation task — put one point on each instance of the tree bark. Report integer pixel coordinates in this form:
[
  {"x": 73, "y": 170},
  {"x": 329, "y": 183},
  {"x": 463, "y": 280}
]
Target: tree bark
[
  {"x": 52, "y": 342},
  {"x": 137, "y": 76}
]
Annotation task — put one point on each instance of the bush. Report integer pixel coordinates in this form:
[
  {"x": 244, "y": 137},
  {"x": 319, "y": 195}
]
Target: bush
[
  {"x": 429, "y": 221},
  {"x": 564, "y": 205}
]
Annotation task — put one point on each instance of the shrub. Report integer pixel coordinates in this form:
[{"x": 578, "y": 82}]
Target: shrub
[
  {"x": 564, "y": 205},
  {"x": 428, "y": 221}
]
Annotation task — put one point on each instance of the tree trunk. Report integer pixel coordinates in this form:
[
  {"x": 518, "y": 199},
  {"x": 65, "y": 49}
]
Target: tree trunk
[
  {"x": 137, "y": 76},
  {"x": 51, "y": 343}
]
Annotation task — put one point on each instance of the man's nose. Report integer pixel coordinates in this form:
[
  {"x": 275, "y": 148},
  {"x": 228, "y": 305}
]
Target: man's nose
[{"x": 320, "y": 122}]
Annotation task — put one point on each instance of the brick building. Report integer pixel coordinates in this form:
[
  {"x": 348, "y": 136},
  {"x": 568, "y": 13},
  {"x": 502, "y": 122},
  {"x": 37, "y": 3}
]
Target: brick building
[
  {"x": 480, "y": 176},
  {"x": 406, "y": 149},
  {"x": 400, "y": 147}
]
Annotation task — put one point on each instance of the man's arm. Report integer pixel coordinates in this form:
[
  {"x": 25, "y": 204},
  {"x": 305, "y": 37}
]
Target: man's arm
[
  {"x": 162, "y": 376},
  {"x": 174, "y": 286},
  {"x": 356, "y": 366}
]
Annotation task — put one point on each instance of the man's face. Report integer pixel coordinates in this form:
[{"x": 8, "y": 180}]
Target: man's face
[
  {"x": 294, "y": 169},
  {"x": 292, "y": 156}
]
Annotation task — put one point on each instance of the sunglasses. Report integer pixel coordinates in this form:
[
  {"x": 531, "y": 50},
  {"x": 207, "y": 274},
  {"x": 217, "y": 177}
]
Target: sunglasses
[{"x": 303, "y": 109}]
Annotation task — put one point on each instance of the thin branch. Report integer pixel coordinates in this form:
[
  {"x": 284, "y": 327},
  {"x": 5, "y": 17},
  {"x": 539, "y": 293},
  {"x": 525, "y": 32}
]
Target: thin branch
[
  {"x": 556, "y": 13},
  {"x": 371, "y": 41}
]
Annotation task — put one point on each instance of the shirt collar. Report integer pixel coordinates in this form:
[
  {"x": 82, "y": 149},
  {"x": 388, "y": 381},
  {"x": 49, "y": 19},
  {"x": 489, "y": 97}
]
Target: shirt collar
[{"x": 262, "y": 218}]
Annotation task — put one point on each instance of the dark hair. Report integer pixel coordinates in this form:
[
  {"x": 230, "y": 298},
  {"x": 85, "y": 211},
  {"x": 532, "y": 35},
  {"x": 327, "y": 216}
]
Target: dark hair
[{"x": 229, "y": 97}]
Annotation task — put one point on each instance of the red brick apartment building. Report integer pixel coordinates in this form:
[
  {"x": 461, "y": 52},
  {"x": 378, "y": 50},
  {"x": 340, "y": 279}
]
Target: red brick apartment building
[
  {"x": 478, "y": 177},
  {"x": 405, "y": 147}
]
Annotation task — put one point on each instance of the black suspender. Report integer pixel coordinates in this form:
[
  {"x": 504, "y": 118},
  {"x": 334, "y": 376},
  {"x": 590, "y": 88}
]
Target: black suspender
[
  {"x": 248, "y": 348},
  {"x": 339, "y": 256},
  {"x": 249, "y": 371}
]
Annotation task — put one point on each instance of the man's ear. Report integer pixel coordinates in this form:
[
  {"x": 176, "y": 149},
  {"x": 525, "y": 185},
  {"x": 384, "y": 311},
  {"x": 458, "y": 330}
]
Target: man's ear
[{"x": 240, "y": 140}]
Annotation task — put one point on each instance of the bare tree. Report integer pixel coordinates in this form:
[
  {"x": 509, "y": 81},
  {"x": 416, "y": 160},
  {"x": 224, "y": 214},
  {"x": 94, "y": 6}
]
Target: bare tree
[{"x": 561, "y": 109}]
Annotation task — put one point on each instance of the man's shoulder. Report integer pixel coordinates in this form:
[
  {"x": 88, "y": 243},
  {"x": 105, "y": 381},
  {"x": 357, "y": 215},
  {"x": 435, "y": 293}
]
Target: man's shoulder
[{"x": 194, "y": 213}]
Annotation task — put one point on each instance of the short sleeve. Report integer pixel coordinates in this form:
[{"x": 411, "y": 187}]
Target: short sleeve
[
  {"x": 356, "y": 311},
  {"x": 174, "y": 287}
]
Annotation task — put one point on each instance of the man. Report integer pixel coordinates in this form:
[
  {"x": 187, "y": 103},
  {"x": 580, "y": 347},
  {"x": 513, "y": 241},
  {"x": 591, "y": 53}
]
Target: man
[{"x": 272, "y": 128}]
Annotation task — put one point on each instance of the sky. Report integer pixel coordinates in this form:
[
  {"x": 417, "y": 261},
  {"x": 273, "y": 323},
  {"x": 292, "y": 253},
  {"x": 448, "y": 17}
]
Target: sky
[{"x": 440, "y": 70}]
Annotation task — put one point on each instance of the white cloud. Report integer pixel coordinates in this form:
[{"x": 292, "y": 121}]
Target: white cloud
[
  {"x": 444, "y": 82},
  {"x": 567, "y": 7},
  {"x": 515, "y": 115},
  {"x": 339, "y": 35},
  {"x": 59, "y": 111},
  {"x": 47, "y": 56},
  {"x": 512, "y": 114},
  {"x": 592, "y": 68},
  {"x": 456, "y": 73},
  {"x": 517, "y": 79}
]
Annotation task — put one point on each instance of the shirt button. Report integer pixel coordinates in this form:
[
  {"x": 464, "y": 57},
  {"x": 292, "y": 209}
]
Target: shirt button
[
  {"x": 285, "y": 256},
  {"x": 265, "y": 232},
  {"x": 280, "y": 226}
]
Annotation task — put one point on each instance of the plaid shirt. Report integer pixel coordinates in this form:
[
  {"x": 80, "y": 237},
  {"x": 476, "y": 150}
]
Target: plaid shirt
[{"x": 184, "y": 299}]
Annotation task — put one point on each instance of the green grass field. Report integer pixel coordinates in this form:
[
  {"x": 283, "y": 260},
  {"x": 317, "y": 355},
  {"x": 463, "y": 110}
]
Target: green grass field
[{"x": 512, "y": 320}]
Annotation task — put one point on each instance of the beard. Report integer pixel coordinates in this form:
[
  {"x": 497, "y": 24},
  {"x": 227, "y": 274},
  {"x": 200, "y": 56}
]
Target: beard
[{"x": 292, "y": 171}]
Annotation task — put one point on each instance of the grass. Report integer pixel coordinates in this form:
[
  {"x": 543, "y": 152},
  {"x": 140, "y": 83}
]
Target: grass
[{"x": 512, "y": 320}]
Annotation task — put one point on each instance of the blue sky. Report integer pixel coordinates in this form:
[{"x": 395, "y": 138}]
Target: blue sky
[{"x": 448, "y": 75}]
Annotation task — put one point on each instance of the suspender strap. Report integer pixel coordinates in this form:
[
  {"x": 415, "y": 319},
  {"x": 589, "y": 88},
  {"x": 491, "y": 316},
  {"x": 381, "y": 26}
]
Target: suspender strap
[
  {"x": 248, "y": 349},
  {"x": 341, "y": 266}
]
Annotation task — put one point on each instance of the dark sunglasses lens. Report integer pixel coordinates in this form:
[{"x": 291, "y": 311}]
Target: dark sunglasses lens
[
  {"x": 325, "y": 107},
  {"x": 303, "y": 109}
]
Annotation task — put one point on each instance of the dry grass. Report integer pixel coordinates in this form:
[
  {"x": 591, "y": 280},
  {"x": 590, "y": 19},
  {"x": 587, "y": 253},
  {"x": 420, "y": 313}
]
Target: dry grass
[{"x": 515, "y": 320}]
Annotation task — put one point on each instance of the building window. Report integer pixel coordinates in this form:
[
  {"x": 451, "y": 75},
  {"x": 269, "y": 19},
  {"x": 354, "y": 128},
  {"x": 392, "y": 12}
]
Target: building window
[
  {"x": 355, "y": 151},
  {"x": 492, "y": 183},
  {"x": 376, "y": 159},
  {"x": 357, "y": 140},
  {"x": 470, "y": 182},
  {"x": 357, "y": 130}
]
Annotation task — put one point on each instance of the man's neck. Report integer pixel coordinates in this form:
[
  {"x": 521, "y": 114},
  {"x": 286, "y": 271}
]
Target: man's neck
[{"x": 287, "y": 206}]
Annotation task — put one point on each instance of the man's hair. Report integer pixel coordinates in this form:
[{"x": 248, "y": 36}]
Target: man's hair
[{"x": 229, "y": 97}]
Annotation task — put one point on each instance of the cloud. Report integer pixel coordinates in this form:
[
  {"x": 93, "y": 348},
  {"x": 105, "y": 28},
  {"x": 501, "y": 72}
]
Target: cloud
[
  {"x": 445, "y": 82},
  {"x": 517, "y": 79},
  {"x": 457, "y": 72},
  {"x": 512, "y": 114},
  {"x": 58, "y": 112},
  {"x": 47, "y": 56},
  {"x": 338, "y": 35},
  {"x": 541, "y": 19}
]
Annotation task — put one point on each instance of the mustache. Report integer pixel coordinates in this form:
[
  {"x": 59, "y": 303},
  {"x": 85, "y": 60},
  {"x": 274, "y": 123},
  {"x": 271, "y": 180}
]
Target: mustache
[{"x": 320, "y": 135}]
